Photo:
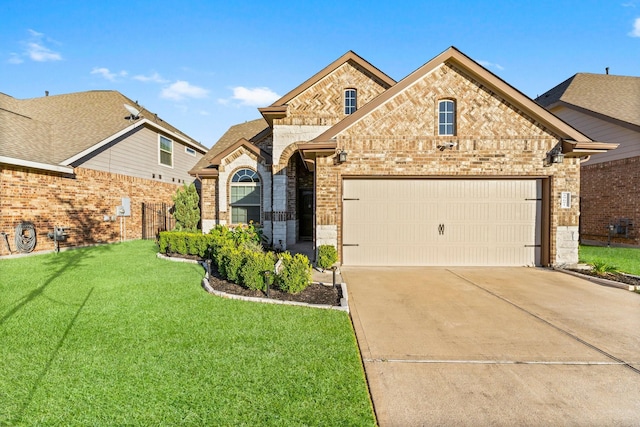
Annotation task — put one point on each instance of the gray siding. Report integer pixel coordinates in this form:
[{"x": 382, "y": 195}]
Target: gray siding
[
  {"x": 137, "y": 154},
  {"x": 603, "y": 131}
]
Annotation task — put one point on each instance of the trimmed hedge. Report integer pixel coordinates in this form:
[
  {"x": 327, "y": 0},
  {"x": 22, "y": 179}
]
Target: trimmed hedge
[
  {"x": 238, "y": 255},
  {"x": 184, "y": 243}
]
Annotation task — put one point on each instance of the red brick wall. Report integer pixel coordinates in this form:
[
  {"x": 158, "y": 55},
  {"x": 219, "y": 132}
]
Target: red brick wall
[
  {"x": 48, "y": 199},
  {"x": 610, "y": 192},
  {"x": 208, "y": 199}
]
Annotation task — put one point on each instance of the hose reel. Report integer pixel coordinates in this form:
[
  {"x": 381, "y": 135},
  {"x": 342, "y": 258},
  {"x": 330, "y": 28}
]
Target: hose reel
[{"x": 25, "y": 238}]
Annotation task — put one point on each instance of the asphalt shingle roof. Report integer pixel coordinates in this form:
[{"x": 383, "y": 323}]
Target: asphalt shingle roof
[
  {"x": 54, "y": 128},
  {"x": 247, "y": 130},
  {"x": 617, "y": 97}
]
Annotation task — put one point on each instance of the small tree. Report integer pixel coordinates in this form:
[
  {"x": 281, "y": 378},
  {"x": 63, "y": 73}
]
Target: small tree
[{"x": 187, "y": 208}]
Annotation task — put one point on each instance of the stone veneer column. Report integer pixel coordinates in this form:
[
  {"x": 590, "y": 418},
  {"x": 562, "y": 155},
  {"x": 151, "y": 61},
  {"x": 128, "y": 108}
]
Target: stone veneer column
[
  {"x": 283, "y": 136},
  {"x": 279, "y": 219},
  {"x": 567, "y": 245}
]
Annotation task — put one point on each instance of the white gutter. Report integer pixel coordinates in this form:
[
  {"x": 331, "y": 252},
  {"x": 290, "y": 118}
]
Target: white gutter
[
  {"x": 36, "y": 165},
  {"x": 123, "y": 132}
]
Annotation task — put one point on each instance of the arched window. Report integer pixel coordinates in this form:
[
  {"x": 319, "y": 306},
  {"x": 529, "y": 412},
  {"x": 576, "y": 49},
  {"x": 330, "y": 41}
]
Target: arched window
[
  {"x": 350, "y": 101},
  {"x": 245, "y": 197},
  {"x": 446, "y": 117}
]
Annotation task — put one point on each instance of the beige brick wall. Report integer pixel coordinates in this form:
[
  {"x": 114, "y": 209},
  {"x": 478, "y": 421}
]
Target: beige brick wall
[
  {"x": 323, "y": 103},
  {"x": 493, "y": 139},
  {"x": 209, "y": 203},
  {"x": 81, "y": 202}
]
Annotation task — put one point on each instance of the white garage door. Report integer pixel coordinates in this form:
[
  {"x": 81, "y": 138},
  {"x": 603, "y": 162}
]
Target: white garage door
[{"x": 422, "y": 222}]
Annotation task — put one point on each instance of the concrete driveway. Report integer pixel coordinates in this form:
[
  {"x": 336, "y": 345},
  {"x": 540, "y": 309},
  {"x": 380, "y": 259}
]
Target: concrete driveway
[{"x": 496, "y": 346}]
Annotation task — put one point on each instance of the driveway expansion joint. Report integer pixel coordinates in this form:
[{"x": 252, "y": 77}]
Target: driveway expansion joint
[
  {"x": 558, "y": 328},
  {"x": 495, "y": 362}
]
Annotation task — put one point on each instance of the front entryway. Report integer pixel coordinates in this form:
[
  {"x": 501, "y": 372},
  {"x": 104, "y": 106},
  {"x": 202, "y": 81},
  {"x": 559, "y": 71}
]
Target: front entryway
[
  {"x": 305, "y": 214},
  {"x": 442, "y": 222}
]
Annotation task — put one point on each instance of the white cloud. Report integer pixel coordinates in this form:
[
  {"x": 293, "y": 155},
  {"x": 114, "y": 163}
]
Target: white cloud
[
  {"x": 182, "y": 89},
  {"x": 34, "y": 33},
  {"x": 40, "y": 53},
  {"x": 488, "y": 64},
  {"x": 253, "y": 97},
  {"x": 104, "y": 72},
  {"x": 154, "y": 78},
  {"x": 36, "y": 49},
  {"x": 15, "y": 59},
  {"x": 636, "y": 28}
]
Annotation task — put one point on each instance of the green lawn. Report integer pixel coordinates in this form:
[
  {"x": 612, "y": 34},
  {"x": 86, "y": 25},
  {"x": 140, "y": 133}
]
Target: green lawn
[
  {"x": 626, "y": 260},
  {"x": 112, "y": 336}
]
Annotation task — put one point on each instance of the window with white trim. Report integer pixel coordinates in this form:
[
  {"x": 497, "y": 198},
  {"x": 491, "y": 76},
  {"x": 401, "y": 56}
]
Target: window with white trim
[
  {"x": 350, "y": 101},
  {"x": 166, "y": 151},
  {"x": 190, "y": 151},
  {"x": 446, "y": 117},
  {"x": 245, "y": 197}
]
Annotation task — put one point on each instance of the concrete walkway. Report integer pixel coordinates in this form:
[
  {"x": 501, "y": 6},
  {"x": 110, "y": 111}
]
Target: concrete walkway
[{"x": 496, "y": 346}]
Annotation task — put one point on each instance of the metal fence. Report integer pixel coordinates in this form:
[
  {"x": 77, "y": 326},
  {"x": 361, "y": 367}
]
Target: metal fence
[{"x": 156, "y": 218}]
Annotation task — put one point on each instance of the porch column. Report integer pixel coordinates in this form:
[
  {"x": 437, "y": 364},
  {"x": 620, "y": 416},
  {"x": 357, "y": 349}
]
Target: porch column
[{"x": 279, "y": 209}]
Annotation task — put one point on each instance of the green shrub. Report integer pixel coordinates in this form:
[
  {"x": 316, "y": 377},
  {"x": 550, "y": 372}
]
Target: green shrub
[
  {"x": 252, "y": 270},
  {"x": 247, "y": 233},
  {"x": 186, "y": 208},
  {"x": 601, "y": 267},
  {"x": 229, "y": 261},
  {"x": 219, "y": 237},
  {"x": 295, "y": 275},
  {"x": 327, "y": 256}
]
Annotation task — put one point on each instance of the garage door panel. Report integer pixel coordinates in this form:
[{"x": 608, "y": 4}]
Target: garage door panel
[{"x": 441, "y": 222}]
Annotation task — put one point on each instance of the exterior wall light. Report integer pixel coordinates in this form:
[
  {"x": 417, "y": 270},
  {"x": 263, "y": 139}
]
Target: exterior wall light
[
  {"x": 554, "y": 156},
  {"x": 557, "y": 158},
  {"x": 342, "y": 156}
]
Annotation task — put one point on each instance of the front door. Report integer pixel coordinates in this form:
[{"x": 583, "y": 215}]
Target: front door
[{"x": 305, "y": 211}]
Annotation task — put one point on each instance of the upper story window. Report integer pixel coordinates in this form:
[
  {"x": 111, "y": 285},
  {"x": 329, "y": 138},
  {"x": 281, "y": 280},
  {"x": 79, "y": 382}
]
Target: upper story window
[
  {"x": 190, "y": 151},
  {"x": 245, "y": 197},
  {"x": 446, "y": 117},
  {"x": 166, "y": 151},
  {"x": 350, "y": 101}
]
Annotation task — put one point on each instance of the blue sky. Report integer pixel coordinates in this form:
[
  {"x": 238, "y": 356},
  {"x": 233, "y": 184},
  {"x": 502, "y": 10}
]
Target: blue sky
[{"x": 206, "y": 65}]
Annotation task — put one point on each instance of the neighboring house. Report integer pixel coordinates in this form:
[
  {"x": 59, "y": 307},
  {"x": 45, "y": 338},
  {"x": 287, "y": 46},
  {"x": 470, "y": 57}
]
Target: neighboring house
[
  {"x": 606, "y": 108},
  {"x": 72, "y": 160},
  {"x": 449, "y": 166}
]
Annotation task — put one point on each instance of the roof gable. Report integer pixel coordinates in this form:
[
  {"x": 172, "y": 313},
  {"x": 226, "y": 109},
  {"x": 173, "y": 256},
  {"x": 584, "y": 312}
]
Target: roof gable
[
  {"x": 60, "y": 128},
  {"x": 250, "y": 132},
  {"x": 489, "y": 80},
  {"x": 280, "y": 108}
]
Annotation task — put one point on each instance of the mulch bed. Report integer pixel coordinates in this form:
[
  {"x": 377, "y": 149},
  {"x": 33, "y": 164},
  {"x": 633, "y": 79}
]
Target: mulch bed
[
  {"x": 313, "y": 294},
  {"x": 617, "y": 277}
]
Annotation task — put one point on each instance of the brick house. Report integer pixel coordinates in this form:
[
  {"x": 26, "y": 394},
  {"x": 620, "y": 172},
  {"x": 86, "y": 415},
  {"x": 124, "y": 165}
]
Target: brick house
[
  {"x": 449, "y": 166},
  {"x": 607, "y": 108},
  {"x": 71, "y": 160}
]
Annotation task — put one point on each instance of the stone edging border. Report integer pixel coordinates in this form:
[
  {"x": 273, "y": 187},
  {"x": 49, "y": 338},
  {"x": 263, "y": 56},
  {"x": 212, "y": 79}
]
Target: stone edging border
[
  {"x": 344, "y": 301},
  {"x": 599, "y": 281}
]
